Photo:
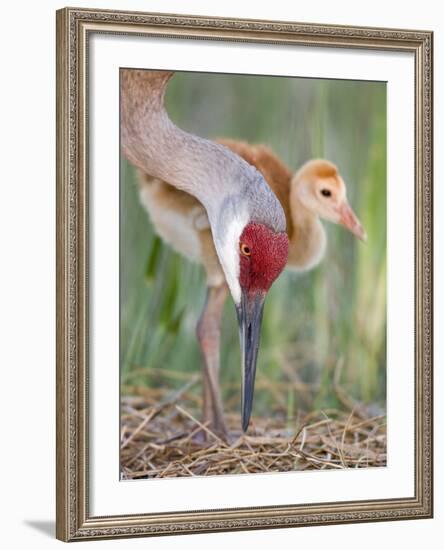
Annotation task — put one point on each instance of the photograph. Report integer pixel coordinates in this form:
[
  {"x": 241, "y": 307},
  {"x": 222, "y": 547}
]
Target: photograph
[
  {"x": 244, "y": 274},
  {"x": 252, "y": 274},
  {"x": 218, "y": 282}
]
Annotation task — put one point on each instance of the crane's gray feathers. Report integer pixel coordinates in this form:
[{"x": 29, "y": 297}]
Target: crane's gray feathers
[
  {"x": 232, "y": 191},
  {"x": 220, "y": 178}
]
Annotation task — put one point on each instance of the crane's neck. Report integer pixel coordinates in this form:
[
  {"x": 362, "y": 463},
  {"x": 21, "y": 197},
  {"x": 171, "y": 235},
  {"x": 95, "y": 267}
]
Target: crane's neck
[
  {"x": 151, "y": 141},
  {"x": 309, "y": 240},
  {"x": 224, "y": 183}
]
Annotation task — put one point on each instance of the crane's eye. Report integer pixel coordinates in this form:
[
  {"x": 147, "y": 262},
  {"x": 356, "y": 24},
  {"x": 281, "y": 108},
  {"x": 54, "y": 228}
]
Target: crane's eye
[
  {"x": 245, "y": 250},
  {"x": 326, "y": 192}
]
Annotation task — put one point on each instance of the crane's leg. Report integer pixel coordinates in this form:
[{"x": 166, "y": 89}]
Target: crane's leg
[{"x": 208, "y": 334}]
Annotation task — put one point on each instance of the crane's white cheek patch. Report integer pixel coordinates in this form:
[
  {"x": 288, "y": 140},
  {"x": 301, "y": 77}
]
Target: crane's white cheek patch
[{"x": 228, "y": 251}]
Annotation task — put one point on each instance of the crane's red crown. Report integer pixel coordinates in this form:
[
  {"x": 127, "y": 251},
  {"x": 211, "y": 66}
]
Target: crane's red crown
[{"x": 263, "y": 255}]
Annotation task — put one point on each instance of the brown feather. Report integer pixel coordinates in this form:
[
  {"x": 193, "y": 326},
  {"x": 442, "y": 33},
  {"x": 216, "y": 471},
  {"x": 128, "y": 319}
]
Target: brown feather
[{"x": 276, "y": 173}]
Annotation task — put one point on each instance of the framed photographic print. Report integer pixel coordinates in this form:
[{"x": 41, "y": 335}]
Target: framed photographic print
[{"x": 244, "y": 274}]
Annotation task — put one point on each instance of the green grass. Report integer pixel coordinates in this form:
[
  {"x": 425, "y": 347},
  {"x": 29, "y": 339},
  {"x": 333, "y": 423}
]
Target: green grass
[{"x": 334, "y": 313}]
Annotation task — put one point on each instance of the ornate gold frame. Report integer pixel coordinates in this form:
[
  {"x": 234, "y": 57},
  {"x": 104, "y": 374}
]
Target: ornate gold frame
[{"x": 73, "y": 28}]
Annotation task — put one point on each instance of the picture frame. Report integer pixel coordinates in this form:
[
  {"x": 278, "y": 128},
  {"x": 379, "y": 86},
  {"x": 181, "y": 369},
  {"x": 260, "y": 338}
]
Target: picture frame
[{"x": 75, "y": 519}]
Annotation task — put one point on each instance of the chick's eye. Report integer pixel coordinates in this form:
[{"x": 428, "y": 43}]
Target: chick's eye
[
  {"x": 326, "y": 192},
  {"x": 245, "y": 250}
]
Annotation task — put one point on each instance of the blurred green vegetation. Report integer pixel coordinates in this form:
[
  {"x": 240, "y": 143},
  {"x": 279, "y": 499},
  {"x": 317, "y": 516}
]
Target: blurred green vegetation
[{"x": 332, "y": 315}]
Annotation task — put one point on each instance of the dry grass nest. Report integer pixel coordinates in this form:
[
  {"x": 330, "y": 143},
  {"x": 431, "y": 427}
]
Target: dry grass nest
[{"x": 162, "y": 436}]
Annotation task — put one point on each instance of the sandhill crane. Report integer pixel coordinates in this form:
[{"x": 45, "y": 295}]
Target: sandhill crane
[
  {"x": 247, "y": 221},
  {"x": 315, "y": 191}
]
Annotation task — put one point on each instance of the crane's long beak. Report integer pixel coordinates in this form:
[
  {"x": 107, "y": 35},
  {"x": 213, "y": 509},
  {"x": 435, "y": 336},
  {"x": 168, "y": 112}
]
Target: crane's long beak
[
  {"x": 349, "y": 220},
  {"x": 249, "y": 314}
]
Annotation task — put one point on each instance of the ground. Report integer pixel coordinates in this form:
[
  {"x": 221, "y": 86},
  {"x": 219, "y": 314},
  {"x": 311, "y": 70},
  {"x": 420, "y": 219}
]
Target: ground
[{"x": 161, "y": 436}]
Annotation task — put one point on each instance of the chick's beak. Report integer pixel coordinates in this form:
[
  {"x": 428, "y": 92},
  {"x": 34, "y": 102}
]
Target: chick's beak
[
  {"x": 249, "y": 314},
  {"x": 349, "y": 220}
]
